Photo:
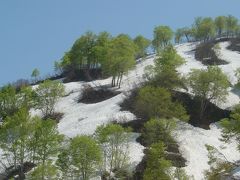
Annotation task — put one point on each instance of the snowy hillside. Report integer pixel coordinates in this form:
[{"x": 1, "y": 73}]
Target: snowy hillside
[{"x": 80, "y": 118}]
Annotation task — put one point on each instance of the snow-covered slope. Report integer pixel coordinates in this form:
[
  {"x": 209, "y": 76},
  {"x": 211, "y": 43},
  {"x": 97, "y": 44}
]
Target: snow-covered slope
[
  {"x": 192, "y": 140},
  {"x": 82, "y": 118},
  {"x": 186, "y": 51}
]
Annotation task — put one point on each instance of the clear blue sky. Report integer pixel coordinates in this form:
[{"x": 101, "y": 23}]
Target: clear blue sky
[{"x": 35, "y": 33}]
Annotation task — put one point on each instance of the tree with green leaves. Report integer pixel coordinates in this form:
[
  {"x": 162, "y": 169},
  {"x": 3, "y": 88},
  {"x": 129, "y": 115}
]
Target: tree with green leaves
[
  {"x": 180, "y": 174},
  {"x": 47, "y": 94},
  {"x": 142, "y": 44},
  {"x": 204, "y": 28},
  {"x": 231, "y": 125},
  {"x": 12, "y": 100},
  {"x": 157, "y": 165},
  {"x": 15, "y": 134},
  {"x": 85, "y": 155},
  {"x": 50, "y": 172},
  {"x": 231, "y": 25},
  {"x": 162, "y": 37},
  {"x": 220, "y": 24},
  {"x": 8, "y": 101},
  {"x": 156, "y": 102},
  {"x": 45, "y": 143},
  {"x": 183, "y": 34},
  {"x": 156, "y": 130},
  {"x": 64, "y": 163},
  {"x": 120, "y": 58},
  {"x": 209, "y": 85},
  {"x": 114, "y": 140},
  {"x": 164, "y": 73},
  {"x": 35, "y": 74}
]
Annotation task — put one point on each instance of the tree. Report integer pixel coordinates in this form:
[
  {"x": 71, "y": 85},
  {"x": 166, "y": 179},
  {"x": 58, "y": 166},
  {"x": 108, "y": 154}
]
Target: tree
[
  {"x": 12, "y": 100},
  {"x": 8, "y": 101},
  {"x": 49, "y": 169},
  {"x": 204, "y": 28},
  {"x": 183, "y": 32},
  {"x": 231, "y": 125},
  {"x": 157, "y": 166},
  {"x": 180, "y": 174},
  {"x": 15, "y": 134},
  {"x": 81, "y": 54},
  {"x": 120, "y": 58},
  {"x": 156, "y": 130},
  {"x": 114, "y": 140},
  {"x": 157, "y": 103},
  {"x": 142, "y": 44},
  {"x": 85, "y": 155},
  {"x": 220, "y": 24},
  {"x": 231, "y": 25},
  {"x": 178, "y": 35},
  {"x": 47, "y": 94},
  {"x": 209, "y": 85},
  {"x": 35, "y": 74},
  {"x": 64, "y": 163},
  {"x": 165, "y": 72},
  {"x": 162, "y": 37},
  {"x": 45, "y": 143}
]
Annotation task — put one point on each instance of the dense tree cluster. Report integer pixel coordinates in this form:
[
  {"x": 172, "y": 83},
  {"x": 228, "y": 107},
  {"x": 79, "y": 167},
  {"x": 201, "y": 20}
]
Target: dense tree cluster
[
  {"x": 114, "y": 56},
  {"x": 207, "y": 28}
]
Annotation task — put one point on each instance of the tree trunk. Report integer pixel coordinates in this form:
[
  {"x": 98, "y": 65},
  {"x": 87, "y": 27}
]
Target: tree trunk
[{"x": 119, "y": 85}]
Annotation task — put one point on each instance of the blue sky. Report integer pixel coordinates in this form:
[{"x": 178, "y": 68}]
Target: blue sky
[{"x": 35, "y": 33}]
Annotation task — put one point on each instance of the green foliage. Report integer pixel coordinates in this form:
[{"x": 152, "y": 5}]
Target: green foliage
[
  {"x": 45, "y": 143},
  {"x": 64, "y": 163},
  {"x": 217, "y": 172},
  {"x": 237, "y": 75},
  {"x": 49, "y": 169},
  {"x": 209, "y": 84},
  {"x": 85, "y": 155},
  {"x": 35, "y": 74},
  {"x": 157, "y": 165},
  {"x": 142, "y": 44},
  {"x": 8, "y": 101},
  {"x": 114, "y": 140},
  {"x": 47, "y": 94},
  {"x": 231, "y": 25},
  {"x": 120, "y": 58},
  {"x": 156, "y": 102},
  {"x": 204, "y": 28},
  {"x": 180, "y": 174},
  {"x": 11, "y": 100},
  {"x": 164, "y": 73},
  {"x": 220, "y": 24},
  {"x": 15, "y": 135},
  {"x": 182, "y": 33},
  {"x": 162, "y": 37},
  {"x": 156, "y": 130},
  {"x": 231, "y": 126},
  {"x": 81, "y": 54}
]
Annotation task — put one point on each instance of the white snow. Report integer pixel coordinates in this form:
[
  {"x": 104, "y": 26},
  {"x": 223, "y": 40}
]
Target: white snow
[
  {"x": 192, "y": 141},
  {"x": 186, "y": 51},
  {"x": 82, "y": 118}
]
